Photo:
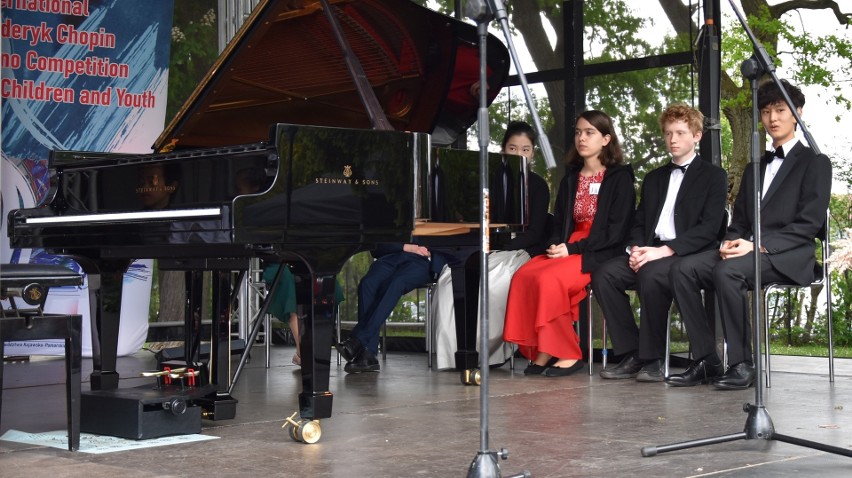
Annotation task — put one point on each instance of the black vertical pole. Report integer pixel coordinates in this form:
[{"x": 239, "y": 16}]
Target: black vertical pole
[{"x": 709, "y": 78}]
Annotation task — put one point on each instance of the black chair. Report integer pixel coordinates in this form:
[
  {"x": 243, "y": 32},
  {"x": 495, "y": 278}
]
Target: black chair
[
  {"x": 31, "y": 283},
  {"x": 822, "y": 278}
]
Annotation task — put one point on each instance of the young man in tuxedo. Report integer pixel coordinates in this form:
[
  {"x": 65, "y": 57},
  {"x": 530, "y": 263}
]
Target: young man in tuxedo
[
  {"x": 680, "y": 212},
  {"x": 795, "y": 191}
]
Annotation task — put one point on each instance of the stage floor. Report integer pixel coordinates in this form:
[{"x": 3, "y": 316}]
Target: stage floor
[{"x": 411, "y": 421}]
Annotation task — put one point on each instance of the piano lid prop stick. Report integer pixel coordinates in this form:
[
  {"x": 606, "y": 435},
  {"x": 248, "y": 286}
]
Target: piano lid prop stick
[{"x": 362, "y": 84}]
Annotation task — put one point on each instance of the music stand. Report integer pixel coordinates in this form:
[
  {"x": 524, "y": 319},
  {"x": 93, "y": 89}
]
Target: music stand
[{"x": 759, "y": 423}]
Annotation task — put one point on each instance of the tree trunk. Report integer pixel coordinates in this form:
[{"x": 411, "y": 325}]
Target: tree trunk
[
  {"x": 172, "y": 296},
  {"x": 741, "y": 128}
]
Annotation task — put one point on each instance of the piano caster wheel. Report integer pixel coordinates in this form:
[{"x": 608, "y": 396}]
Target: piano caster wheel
[
  {"x": 470, "y": 377},
  {"x": 306, "y": 431}
]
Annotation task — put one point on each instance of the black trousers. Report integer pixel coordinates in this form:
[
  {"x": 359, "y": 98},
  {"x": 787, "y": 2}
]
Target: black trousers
[
  {"x": 610, "y": 283},
  {"x": 730, "y": 280}
]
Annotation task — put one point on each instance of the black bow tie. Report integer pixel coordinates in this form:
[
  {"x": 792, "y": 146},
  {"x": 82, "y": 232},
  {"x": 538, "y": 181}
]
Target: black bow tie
[
  {"x": 673, "y": 167},
  {"x": 779, "y": 153}
]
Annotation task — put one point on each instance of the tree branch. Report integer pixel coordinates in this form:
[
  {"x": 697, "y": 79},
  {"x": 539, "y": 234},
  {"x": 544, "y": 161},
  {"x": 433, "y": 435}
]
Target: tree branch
[
  {"x": 679, "y": 15},
  {"x": 784, "y": 7}
]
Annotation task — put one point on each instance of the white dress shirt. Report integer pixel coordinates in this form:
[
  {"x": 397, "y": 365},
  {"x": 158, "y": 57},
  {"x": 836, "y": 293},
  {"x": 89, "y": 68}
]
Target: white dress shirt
[
  {"x": 665, "y": 226},
  {"x": 774, "y": 165}
]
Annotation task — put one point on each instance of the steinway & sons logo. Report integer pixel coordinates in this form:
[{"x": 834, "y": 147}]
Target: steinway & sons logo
[
  {"x": 347, "y": 179},
  {"x": 154, "y": 183}
]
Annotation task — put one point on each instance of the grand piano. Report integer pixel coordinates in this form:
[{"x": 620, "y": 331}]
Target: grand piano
[{"x": 311, "y": 138}]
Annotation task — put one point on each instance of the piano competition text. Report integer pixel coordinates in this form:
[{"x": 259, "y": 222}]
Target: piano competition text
[{"x": 95, "y": 65}]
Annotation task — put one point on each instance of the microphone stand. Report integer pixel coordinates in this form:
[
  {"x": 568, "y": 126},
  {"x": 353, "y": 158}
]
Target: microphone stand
[
  {"x": 485, "y": 465},
  {"x": 759, "y": 423},
  {"x": 499, "y": 11}
]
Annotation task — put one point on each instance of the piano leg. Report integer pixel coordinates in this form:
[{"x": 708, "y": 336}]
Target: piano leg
[
  {"x": 194, "y": 283},
  {"x": 466, "y": 302},
  {"x": 220, "y": 351},
  {"x": 105, "y": 283},
  {"x": 315, "y": 399},
  {"x": 218, "y": 404}
]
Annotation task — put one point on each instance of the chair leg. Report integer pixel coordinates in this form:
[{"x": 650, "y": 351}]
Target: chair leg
[
  {"x": 604, "y": 349},
  {"x": 830, "y": 321},
  {"x": 267, "y": 336},
  {"x": 667, "y": 360},
  {"x": 428, "y": 321},
  {"x": 766, "y": 353},
  {"x": 589, "y": 309},
  {"x": 590, "y": 314},
  {"x": 337, "y": 328},
  {"x": 384, "y": 342}
]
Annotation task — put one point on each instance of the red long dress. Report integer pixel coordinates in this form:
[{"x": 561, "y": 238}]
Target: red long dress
[{"x": 545, "y": 294}]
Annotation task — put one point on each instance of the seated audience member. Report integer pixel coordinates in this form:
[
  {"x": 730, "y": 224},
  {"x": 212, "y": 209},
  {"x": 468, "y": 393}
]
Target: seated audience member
[
  {"x": 795, "y": 192},
  {"x": 593, "y": 210},
  {"x": 519, "y": 139},
  {"x": 681, "y": 209},
  {"x": 397, "y": 270},
  {"x": 283, "y": 303}
]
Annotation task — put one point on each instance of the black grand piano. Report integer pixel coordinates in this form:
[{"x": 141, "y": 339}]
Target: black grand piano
[{"x": 310, "y": 139}]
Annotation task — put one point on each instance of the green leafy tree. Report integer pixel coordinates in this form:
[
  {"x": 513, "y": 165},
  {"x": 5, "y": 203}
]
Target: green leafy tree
[
  {"x": 194, "y": 49},
  {"x": 812, "y": 60}
]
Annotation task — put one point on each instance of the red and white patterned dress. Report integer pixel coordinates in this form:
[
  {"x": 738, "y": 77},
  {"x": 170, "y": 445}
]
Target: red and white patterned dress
[{"x": 544, "y": 298}]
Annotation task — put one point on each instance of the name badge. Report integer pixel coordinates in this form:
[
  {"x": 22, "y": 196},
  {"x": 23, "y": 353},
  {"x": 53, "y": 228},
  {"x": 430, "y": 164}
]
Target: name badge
[{"x": 594, "y": 188}]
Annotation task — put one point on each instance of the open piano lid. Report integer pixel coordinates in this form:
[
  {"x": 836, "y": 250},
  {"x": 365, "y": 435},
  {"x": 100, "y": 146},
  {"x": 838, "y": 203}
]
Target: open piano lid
[{"x": 285, "y": 66}]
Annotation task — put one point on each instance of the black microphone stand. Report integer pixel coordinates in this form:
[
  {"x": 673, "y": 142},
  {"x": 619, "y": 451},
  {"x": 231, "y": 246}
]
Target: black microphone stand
[{"x": 759, "y": 423}]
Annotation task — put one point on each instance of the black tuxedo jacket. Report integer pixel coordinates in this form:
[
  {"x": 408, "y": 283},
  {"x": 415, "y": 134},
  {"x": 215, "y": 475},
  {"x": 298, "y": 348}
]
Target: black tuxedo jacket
[
  {"x": 791, "y": 213},
  {"x": 699, "y": 207}
]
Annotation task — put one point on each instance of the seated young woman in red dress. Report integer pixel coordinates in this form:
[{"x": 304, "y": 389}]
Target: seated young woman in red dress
[{"x": 592, "y": 216}]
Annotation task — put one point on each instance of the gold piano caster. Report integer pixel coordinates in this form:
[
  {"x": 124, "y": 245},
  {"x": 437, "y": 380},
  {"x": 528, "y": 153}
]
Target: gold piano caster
[
  {"x": 307, "y": 431},
  {"x": 470, "y": 376}
]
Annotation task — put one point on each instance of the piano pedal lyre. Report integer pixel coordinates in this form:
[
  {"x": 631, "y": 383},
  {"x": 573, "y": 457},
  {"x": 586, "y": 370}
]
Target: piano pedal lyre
[{"x": 304, "y": 430}]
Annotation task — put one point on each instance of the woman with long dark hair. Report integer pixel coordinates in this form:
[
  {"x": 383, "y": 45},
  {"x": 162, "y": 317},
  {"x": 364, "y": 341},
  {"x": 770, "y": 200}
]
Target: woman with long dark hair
[{"x": 592, "y": 216}]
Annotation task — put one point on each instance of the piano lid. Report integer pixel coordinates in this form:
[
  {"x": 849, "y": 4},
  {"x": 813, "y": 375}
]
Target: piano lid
[{"x": 284, "y": 65}]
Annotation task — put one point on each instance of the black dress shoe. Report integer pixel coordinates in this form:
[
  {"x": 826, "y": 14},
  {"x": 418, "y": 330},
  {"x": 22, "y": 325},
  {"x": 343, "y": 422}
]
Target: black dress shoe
[
  {"x": 349, "y": 348},
  {"x": 697, "y": 373},
  {"x": 535, "y": 369},
  {"x": 364, "y": 362},
  {"x": 555, "y": 371},
  {"x": 651, "y": 372},
  {"x": 738, "y": 377},
  {"x": 628, "y": 368}
]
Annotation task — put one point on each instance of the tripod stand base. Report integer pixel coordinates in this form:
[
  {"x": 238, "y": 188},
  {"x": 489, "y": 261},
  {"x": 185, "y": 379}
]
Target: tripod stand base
[
  {"x": 758, "y": 425},
  {"x": 485, "y": 466}
]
